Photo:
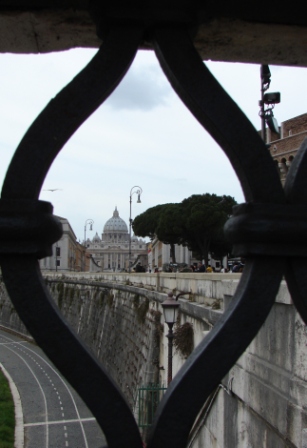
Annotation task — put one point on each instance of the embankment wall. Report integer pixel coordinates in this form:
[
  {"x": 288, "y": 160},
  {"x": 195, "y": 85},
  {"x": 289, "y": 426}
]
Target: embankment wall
[{"x": 262, "y": 400}]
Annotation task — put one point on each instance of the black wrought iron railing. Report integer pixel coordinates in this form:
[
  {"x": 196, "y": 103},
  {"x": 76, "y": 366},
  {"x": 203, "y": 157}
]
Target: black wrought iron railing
[{"x": 269, "y": 230}]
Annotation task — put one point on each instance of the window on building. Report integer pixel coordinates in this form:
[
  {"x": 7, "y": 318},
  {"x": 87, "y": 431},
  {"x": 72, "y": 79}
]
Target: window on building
[
  {"x": 58, "y": 251},
  {"x": 58, "y": 262}
]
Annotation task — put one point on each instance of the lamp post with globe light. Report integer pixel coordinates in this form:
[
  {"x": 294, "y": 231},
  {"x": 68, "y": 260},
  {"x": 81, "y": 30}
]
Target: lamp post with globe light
[
  {"x": 170, "y": 308},
  {"x": 134, "y": 190},
  {"x": 88, "y": 222}
]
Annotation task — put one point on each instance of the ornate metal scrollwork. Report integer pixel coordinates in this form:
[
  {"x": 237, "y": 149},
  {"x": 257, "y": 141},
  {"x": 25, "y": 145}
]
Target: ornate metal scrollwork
[{"x": 249, "y": 228}]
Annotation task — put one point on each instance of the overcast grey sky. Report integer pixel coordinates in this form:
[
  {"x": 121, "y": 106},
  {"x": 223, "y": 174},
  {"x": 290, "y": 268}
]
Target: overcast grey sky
[{"x": 142, "y": 135}]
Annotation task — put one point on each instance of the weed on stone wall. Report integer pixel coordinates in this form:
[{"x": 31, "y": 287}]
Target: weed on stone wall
[
  {"x": 66, "y": 292},
  {"x": 184, "y": 339},
  {"x": 101, "y": 299},
  {"x": 141, "y": 311},
  {"x": 110, "y": 299},
  {"x": 136, "y": 300},
  {"x": 60, "y": 289},
  {"x": 216, "y": 305},
  {"x": 71, "y": 295}
]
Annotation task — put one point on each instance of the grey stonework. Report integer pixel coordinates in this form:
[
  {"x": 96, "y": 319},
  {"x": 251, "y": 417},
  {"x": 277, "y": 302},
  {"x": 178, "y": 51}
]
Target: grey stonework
[{"x": 262, "y": 400}]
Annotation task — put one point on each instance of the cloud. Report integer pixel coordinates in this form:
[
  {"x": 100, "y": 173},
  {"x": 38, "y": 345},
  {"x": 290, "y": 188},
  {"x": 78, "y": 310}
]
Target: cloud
[{"x": 144, "y": 88}]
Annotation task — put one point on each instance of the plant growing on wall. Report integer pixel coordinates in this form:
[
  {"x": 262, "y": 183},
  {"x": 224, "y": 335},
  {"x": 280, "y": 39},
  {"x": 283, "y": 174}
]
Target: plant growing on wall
[
  {"x": 184, "y": 339},
  {"x": 110, "y": 299},
  {"x": 142, "y": 311},
  {"x": 60, "y": 289}
]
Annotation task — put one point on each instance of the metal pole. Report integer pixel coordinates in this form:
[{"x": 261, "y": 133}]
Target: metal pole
[
  {"x": 90, "y": 222},
  {"x": 130, "y": 223},
  {"x": 170, "y": 337},
  {"x": 265, "y": 77},
  {"x": 263, "y": 130},
  {"x": 82, "y": 259},
  {"x": 139, "y": 192},
  {"x": 56, "y": 257}
]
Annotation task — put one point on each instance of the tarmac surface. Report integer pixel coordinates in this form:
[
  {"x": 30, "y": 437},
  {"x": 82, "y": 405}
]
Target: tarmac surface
[{"x": 49, "y": 413}]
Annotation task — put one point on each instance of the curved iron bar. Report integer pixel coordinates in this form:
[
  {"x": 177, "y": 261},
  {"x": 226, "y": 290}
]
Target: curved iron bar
[
  {"x": 219, "y": 115},
  {"x": 21, "y": 273},
  {"x": 256, "y": 292},
  {"x": 67, "y": 111},
  {"x": 296, "y": 193}
]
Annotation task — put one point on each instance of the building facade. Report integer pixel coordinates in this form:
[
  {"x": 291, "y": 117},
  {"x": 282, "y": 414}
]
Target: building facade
[
  {"x": 285, "y": 146},
  {"x": 110, "y": 252},
  {"x": 67, "y": 253},
  {"x": 159, "y": 255}
]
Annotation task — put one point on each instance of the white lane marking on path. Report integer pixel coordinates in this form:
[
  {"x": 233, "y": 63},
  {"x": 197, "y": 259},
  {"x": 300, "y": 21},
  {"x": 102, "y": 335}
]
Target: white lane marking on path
[
  {"x": 79, "y": 420},
  {"x": 68, "y": 390},
  {"x": 60, "y": 422},
  {"x": 41, "y": 389},
  {"x": 19, "y": 429}
]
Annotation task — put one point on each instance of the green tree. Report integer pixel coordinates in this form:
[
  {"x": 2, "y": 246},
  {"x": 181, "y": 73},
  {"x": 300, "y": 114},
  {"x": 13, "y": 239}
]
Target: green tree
[
  {"x": 196, "y": 222},
  {"x": 146, "y": 223},
  {"x": 205, "y": 216},
  {"x": 219, "y": 247},
  {"x": 163, "y": 222},
  {"x": 170, "y": 227}
]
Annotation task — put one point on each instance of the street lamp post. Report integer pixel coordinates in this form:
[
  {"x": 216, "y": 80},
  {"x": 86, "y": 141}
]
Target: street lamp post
[
  {"x": 56, "y": 257},
  {"x": 88, "y": 222},
  {"x": 170, "y": 308},
  {"x": 138, "y": 191}
]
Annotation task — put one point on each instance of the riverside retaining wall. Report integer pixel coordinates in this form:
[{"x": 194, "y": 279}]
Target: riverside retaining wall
[{"x": 262, "y": 402}]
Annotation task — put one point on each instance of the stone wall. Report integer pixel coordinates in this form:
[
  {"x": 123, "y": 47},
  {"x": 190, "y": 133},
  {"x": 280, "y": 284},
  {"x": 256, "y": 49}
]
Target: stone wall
[
  {"x": 8, "y": 316},
  {"x": 121, "y": 328},
  {"x": 262, "y": 400}
]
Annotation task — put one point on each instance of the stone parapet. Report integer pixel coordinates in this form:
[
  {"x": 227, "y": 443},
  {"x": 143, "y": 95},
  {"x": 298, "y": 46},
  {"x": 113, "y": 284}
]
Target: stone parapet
[{"x": 198, "y": 287}]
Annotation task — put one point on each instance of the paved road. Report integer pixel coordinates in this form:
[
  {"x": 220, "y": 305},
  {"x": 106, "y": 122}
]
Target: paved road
[{"x": 54, "y": 415}]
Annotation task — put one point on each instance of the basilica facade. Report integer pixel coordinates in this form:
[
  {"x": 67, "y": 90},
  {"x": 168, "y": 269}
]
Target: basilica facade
[{"x": 110, "y": 252}]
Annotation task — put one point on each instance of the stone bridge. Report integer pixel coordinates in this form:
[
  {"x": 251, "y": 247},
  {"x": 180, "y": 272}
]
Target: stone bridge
[{"x": 119, "y": 317}]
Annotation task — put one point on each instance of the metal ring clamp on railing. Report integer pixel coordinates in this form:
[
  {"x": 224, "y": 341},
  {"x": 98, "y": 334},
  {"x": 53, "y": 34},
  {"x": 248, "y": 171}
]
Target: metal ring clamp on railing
[{"x": 256, "y": 292}]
